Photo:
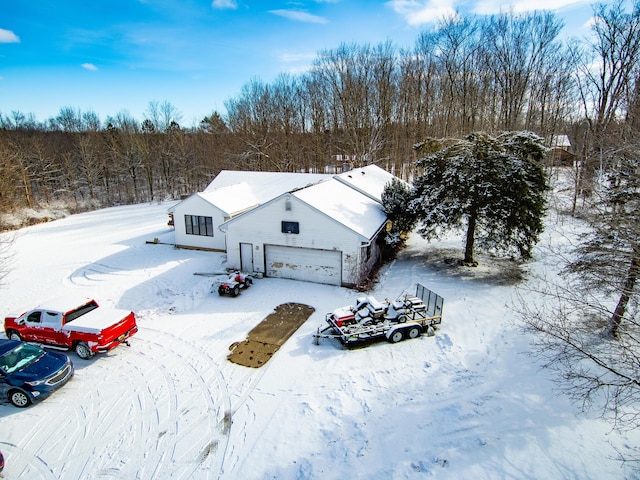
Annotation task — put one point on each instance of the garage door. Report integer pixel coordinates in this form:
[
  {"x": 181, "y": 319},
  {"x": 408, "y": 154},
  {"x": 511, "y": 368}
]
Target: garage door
[{"x": 307, "y": 264}]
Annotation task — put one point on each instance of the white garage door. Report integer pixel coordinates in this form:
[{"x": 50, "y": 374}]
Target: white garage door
[{"x": 307, "y": 264}]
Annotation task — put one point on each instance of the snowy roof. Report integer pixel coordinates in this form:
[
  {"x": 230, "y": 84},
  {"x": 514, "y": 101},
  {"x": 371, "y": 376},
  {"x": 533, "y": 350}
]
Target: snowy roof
[
  {"x": 232, "y": 199},
  {"x": 349, "y": 207},
  {"x": 264, "y": 185},
  {"x": 235, "y": 191},
  {"x": 369, "y": 180},
  {"x": 560, "y": 141}
]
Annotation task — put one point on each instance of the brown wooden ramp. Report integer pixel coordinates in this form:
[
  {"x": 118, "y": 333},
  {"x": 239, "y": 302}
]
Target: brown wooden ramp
[{"x": 269, "y": 335}]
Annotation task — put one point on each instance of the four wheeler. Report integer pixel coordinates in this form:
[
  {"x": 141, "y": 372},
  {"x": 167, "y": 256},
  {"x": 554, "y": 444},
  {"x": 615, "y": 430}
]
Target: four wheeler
[{"x": 233, "y": 283}]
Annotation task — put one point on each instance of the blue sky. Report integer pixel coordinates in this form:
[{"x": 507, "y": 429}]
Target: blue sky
[{"x": 120, "y": 55}]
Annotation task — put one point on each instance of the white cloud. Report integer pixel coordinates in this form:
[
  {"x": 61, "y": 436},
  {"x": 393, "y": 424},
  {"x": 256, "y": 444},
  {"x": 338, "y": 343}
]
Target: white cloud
[
  {"x": 299, "y": 16},
  {"x": 225, "y": 4},
  {"x": 89, "y": 66},
  {"x": 297, "y": 57},
  {"x": 419, "y": 12},
  {"x": 7, "y": 36},
  {"x": 490, "y": 7}
]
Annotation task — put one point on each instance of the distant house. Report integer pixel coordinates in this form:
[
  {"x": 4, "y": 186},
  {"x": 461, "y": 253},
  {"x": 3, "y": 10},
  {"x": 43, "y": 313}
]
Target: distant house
[
  {"x": 561, "y": 151},
  {"x": 325, "y": 231}
]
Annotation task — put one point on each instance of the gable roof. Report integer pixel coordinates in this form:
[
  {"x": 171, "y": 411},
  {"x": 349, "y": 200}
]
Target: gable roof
[
  {"x": 264, "y": 185},
  {"x": 347, "y": 206},
  {"x": 351, "y": 198},
  {"x": 233, "y": 199},
  {"x": 560, "y": 141},
  {"x": 338, "y": 201},
  {"x": 236, "y": 191},
  {"x": 369, "y": 180}
]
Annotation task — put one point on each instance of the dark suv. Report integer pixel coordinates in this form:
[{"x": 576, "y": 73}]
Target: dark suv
[{"x": 29, "y": 373}]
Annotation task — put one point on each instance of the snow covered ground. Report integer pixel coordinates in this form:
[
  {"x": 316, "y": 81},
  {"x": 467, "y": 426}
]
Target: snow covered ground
[{"x": 466, "y": 403}]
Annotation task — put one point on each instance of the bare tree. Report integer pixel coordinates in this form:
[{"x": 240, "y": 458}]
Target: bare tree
[{"x": 518, "y": 49}]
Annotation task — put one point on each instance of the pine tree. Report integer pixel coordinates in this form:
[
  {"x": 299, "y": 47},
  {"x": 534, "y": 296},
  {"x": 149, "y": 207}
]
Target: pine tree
[
  {"x": 492, "y": 186},
  {"x": 395, "y": 201}
]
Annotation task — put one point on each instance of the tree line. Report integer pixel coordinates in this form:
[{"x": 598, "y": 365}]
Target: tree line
[{"x": 357, "y": 104}]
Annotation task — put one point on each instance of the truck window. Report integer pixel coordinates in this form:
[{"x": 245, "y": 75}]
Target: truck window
[
  {"x": 78, "y": 312},
  {"x": 34, "y": 317},
  {"x": 51, "y": 318}
]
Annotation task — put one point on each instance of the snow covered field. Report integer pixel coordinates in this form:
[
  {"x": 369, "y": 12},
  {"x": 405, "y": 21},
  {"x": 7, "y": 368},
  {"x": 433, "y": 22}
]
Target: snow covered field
[{"x": 466, "y": 403}]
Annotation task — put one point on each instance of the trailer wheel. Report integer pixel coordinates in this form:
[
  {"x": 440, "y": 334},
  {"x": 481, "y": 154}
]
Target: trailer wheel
[
  {"x": 414, "y": 332},
  {"x": 396, "y": 336}
]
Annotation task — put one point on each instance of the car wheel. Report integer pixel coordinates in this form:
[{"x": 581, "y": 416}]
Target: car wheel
[
  {"x": 414, "y": 332},
  {"x": 13, "y": 335},
  {"x": 83, "y": 350},
  {"x": 19, "y": 399},
  {"x": 396, "y": 336},
  {"x": 236, "y": 290}
]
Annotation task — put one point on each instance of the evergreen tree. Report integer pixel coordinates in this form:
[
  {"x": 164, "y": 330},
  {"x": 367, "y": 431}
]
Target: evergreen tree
[
  {"x": 493, "y": 186},
  {"x": 395, "y": 201}
]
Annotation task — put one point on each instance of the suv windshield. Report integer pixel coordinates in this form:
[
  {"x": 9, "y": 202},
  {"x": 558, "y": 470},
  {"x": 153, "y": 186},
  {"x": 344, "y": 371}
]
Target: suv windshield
[{"x": 20, "y": 357}]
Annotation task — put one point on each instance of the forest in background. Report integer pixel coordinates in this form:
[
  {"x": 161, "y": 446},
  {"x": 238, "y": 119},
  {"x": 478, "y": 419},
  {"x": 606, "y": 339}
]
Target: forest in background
[{"x": 357, "y": 105}]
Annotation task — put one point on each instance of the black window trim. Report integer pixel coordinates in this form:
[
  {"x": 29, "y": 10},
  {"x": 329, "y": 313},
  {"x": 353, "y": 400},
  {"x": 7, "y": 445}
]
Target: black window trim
[
  {"x": 198, "y": 225},
  {"x": 290, "y": 227}
]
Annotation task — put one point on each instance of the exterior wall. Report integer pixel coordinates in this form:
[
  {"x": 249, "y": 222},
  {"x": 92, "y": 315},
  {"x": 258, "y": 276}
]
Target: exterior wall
[
  {"x": 374, "y": 255},
  {"x": 196, "y": 205},
  {"x": 263, "y": 226}
]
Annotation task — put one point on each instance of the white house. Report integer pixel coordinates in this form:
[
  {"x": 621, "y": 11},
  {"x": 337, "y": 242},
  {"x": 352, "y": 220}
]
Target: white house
[
  {"x": 324, "y": 233},
  {"x": 316, "y": 227},
  {"x": 196, "y": 219}
]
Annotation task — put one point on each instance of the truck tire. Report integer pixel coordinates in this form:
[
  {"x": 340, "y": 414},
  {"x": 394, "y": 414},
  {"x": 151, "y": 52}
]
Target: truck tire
[
  {"x": 414, "y": 332},
  {"x": 13, "y": 335},
  {"x": 19, "y": 399},
  {"x": 83, "y": 350},
  {"x": 396, "y": 336}
]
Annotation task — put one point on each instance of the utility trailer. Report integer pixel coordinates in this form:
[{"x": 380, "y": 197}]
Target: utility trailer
[{"x": 409, "y": 316}]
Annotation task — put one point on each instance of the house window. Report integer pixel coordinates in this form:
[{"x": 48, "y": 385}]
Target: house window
[
  {"x": 198, "y": 225},
  {"x": 366, "y": 253},
  {"x": 290, "y": 227}
]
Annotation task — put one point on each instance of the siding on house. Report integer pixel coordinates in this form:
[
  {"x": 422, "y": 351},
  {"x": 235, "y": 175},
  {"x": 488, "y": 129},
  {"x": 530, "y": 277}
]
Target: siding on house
[
  {"x": 330, "y": 217},
  {"x": 197, "y": 205}
]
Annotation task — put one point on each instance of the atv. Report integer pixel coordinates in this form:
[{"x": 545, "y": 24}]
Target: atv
[{"x": 233, "y": 283}]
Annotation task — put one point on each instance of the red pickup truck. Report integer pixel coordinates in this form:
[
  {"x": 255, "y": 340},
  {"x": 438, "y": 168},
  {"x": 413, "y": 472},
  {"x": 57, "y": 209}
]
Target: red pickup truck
[{"x": 81, "y": 326}]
